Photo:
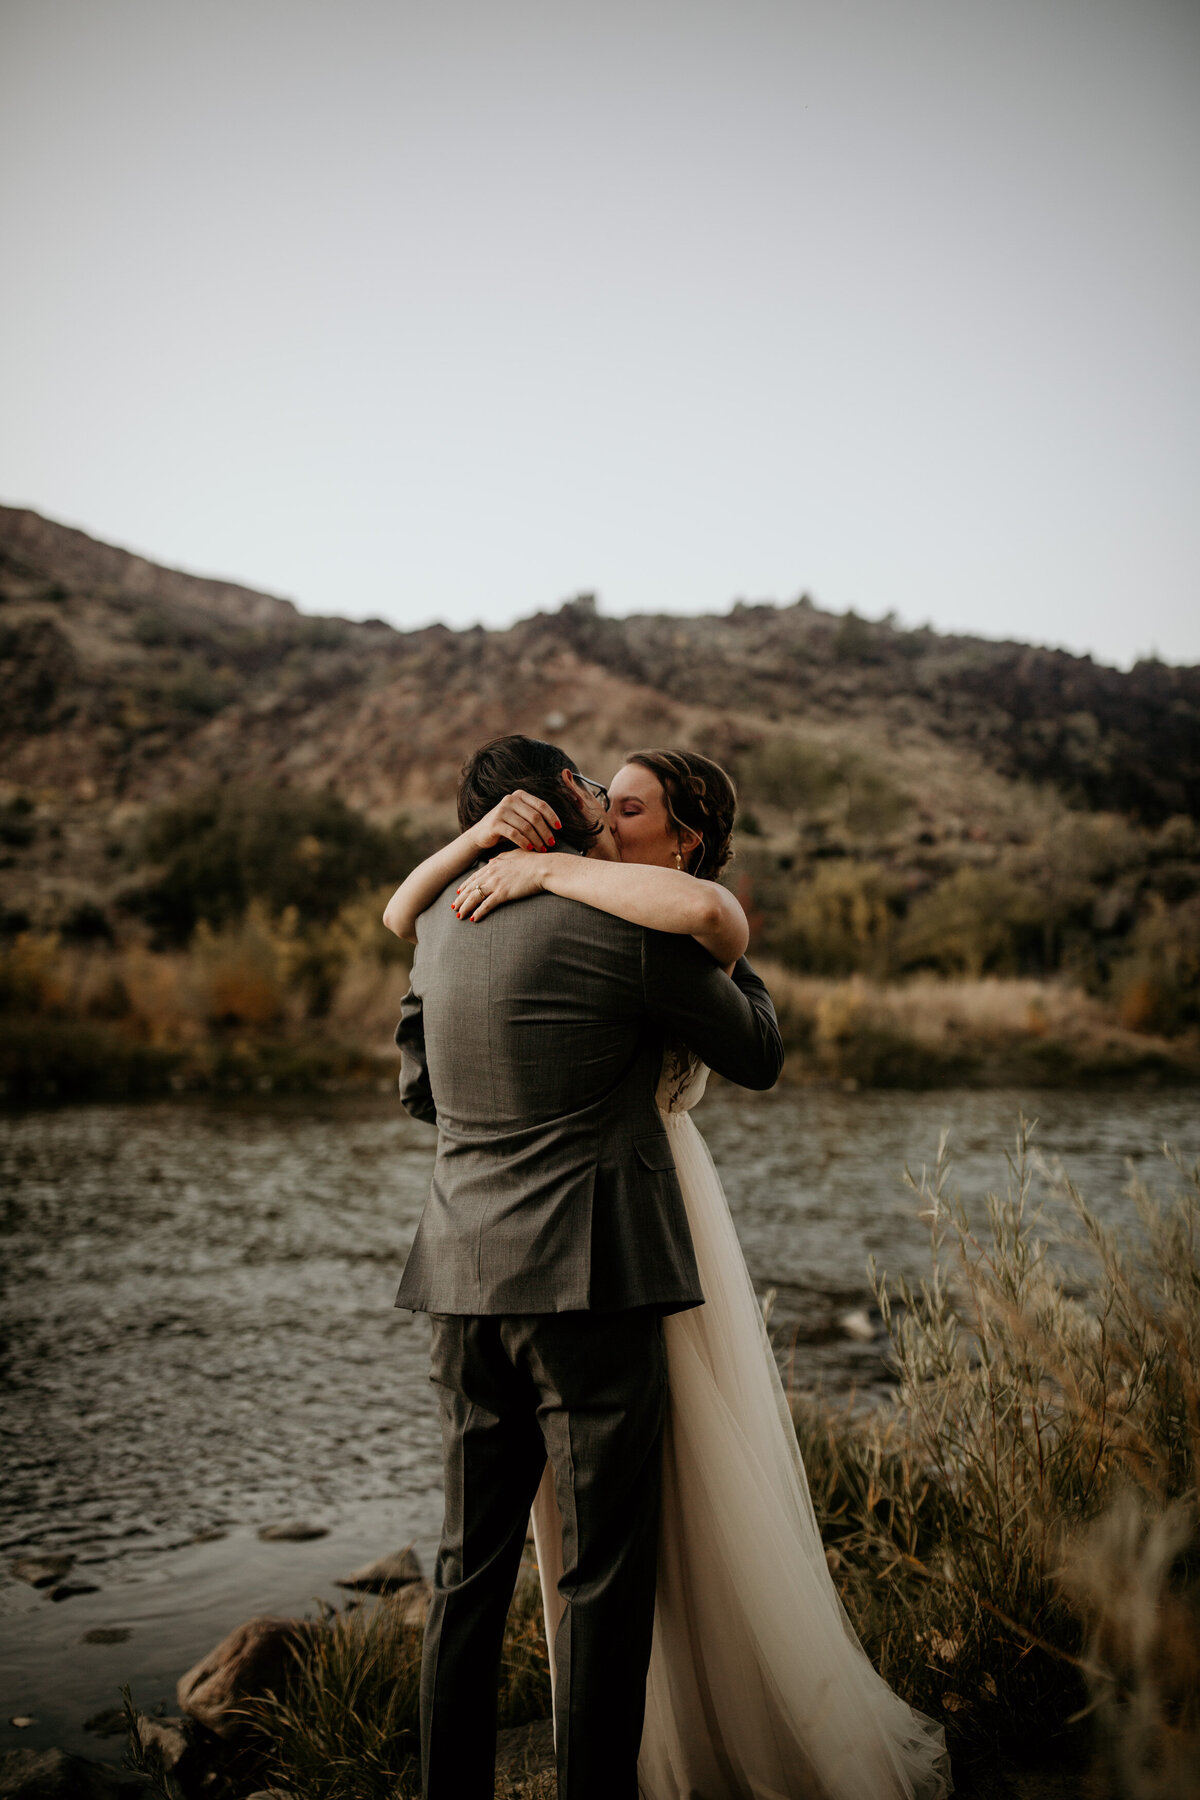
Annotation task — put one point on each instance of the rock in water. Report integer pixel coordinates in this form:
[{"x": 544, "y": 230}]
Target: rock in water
[
  {"x": 41, "y": 1571},
  {"x": 53, "y": 1775},
  {"x": 387, "y": 1575},
  {"x": 255, "y": 1659},
  {"x": 412, "y": 1602},
  {"x": 297, "y": 1533},
  {"x": 109, "y": 1723},
  {"x": 166, "y": 1735}
]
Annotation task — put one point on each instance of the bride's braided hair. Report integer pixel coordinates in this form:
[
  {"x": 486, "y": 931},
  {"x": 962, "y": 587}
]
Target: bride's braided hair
[{"x": 700, "y": 797}]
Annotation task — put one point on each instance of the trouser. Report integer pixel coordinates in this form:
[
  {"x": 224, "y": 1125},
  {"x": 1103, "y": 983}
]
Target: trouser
[{"x": 587, "y": 1390}]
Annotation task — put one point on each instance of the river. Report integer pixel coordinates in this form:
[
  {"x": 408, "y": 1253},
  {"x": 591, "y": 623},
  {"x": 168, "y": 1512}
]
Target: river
[{"x": 198, "y": 1339}]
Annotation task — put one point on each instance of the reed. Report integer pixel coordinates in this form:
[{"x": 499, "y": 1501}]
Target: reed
[
  {"x": 1015, "y": 1536},
  {"x": 928, "y": 1031},
  {"x": 347, "y": 1725}
]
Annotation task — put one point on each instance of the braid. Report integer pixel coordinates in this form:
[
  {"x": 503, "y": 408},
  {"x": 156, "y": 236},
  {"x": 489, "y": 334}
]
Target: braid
[{"x": 700, "y": 799}]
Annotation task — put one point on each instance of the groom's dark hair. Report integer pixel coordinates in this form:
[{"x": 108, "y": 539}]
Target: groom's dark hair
[{"x": 505, "y": 763}]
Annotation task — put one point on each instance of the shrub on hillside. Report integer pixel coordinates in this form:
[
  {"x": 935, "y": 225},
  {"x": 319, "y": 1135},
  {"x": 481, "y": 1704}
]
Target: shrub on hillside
[
  {"x": 799, "y": 776},
  {"x": 219, "y": 849},
  {"x": 1157, "y": 981},
  {"x": 789, "y": 773},
  {"x": 977, "y": 922},
  {"x": 841, "y": 919}
]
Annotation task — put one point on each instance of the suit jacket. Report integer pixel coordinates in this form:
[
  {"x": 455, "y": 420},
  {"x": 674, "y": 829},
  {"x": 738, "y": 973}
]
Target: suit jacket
[{"x": 533, "y": 1041}]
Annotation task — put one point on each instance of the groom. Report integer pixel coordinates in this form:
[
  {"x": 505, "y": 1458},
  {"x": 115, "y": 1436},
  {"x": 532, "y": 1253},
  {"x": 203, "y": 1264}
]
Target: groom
[{"x": 553, "y": 1241}]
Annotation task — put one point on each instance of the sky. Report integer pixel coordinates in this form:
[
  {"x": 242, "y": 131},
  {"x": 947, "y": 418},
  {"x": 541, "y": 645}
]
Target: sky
[{"x": 454, "y": 311}]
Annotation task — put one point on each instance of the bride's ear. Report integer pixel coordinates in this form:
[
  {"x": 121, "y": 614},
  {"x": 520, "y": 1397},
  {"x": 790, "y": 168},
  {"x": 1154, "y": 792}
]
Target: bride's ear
[{"x": 689, "y": 843}]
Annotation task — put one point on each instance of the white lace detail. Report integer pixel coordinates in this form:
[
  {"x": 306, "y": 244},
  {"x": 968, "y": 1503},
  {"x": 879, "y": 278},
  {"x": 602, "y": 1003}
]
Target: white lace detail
[{"x": 681, "y": 1082}]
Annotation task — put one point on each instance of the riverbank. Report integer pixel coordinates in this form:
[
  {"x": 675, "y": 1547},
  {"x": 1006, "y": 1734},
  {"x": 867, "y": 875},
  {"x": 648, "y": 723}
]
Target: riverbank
[
  {"x": 203, "y": 1351},
  {"x": 922, "y": 1034},
  {"x": 1013, "y": 1534},
  {"x": 210, "y": 1589}
]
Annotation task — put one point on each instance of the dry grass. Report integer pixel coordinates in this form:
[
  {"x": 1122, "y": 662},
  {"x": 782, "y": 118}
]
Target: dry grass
[
  {"x": 260, "y": 1001},
  {"x": 348, "y": 1726},
  {"x": 931, "y": 1032},
  {"x": 263, "y": 998},
  {"x": 1016, "y": 1537}
]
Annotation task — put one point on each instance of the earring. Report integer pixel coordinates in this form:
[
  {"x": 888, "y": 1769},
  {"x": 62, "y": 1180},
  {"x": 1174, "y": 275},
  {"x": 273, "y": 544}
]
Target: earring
[{"x": 679, "y": 862}]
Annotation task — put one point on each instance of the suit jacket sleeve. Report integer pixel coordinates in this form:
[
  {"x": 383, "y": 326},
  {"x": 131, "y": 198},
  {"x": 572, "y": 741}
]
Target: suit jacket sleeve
[
  {"x": 416, "y": 1095},
  {"x": 727, "y": 1021}
]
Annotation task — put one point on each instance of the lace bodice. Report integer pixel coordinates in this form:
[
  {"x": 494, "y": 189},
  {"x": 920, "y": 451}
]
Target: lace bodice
[{"x": 681, "y": 1083}]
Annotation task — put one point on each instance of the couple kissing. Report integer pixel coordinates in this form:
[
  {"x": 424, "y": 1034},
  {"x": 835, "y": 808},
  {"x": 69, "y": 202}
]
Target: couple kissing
[{"x": 598, "y": 1351}]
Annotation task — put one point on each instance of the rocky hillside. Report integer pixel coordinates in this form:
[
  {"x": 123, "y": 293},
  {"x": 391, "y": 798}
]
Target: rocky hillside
[
  {"x": 125, "y": 680},
  {"x": 125, "y": 684}
]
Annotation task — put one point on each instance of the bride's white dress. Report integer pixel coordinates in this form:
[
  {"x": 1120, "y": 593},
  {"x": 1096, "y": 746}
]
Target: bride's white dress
[{"x": 758, "y": 1687}]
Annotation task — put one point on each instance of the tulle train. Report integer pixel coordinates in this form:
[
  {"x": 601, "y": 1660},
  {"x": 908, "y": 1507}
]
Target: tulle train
[{"x": 758, "y": 1687}]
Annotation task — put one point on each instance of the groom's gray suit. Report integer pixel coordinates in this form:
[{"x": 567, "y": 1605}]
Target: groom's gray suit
[{"x": 553, "y": 1240}]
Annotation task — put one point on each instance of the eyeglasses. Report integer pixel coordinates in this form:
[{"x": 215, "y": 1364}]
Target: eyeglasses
[{"x": 597, "y": 787}]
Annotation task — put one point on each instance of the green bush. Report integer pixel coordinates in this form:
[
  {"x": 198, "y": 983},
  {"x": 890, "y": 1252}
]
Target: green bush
[
  {"x": 1157, "y": 981},
  {"x": 841, "y": 919},
  {"x": 219, "y": 849},
  {"x": 976, "y": 922},
  {"x": 799, "y": 776},
  {"x": 789, "y": 773}
]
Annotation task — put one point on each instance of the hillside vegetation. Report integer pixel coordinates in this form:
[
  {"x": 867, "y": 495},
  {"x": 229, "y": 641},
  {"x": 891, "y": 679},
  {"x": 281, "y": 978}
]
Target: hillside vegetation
[{"x": 965, "y": 859}]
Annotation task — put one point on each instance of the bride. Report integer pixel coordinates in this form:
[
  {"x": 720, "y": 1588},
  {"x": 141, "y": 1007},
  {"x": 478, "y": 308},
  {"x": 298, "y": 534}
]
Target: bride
[{"x": 758, "y": 1688}]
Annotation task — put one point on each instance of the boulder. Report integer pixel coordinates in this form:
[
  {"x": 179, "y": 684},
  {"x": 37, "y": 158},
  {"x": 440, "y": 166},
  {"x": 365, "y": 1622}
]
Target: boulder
[
  {"x": 167, "y": 1735},
  {"x": 111, "y": 1722},
  {"x": 253, "y": 1660},
  {"x": 41, "y": 1571},
  {"x": 387, "y": 1575},
  {"x": 412, "y": 1602},
  {"x": 296, "y": 1533},
  {"x": 53, "y": 1775},
  {"x": 67, "y": 1590}
]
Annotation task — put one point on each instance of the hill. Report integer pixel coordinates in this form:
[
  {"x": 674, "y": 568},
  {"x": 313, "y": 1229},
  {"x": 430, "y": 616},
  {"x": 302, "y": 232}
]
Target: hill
[
  {"x": 912, "y": 802},
  {"x": 133, "y": 679}
]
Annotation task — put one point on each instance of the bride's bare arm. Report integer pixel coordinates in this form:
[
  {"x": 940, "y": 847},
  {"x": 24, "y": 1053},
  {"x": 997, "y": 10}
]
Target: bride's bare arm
[
  {"x": 664, "y": 899},
  {"x": 519, "y": 818}
]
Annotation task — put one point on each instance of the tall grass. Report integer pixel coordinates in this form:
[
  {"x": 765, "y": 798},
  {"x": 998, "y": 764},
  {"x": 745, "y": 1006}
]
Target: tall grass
[
  {"x": 1016, "y": 1535},
  {"x": 927, "y": 1031},
  {"x": 259, "y": 1000},
  {"x": 348, "y": 1725}
]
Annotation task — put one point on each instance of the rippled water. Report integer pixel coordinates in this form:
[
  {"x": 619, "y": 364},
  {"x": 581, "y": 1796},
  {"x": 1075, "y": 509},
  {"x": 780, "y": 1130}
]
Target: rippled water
[{"x": 197, "y": 1336}]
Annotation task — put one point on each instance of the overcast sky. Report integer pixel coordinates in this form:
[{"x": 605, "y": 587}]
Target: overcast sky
[{"x": 455, "y": 310}]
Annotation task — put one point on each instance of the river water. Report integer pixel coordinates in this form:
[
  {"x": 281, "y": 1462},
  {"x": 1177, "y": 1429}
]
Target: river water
[{"x": 198, "y": 1340}]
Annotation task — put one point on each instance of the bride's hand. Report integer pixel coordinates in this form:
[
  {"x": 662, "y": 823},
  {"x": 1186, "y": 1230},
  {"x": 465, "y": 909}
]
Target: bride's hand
[
  {"x": 513, "y": 876},
  {"x": 520, "y": 818}
]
